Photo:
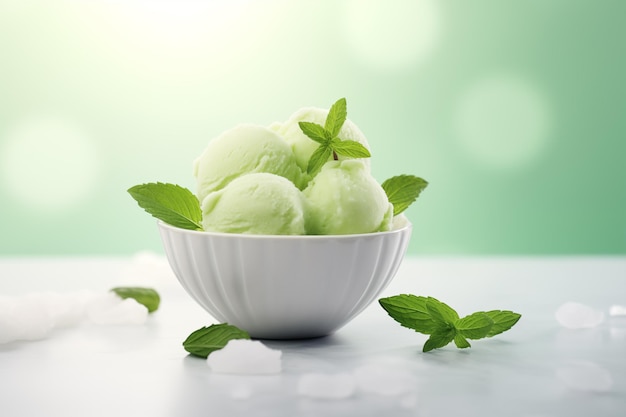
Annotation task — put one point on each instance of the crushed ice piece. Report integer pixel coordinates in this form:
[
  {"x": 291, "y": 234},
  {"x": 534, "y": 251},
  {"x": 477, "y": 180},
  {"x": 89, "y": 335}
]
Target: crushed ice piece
[
  {"x": 379, "y": 379},
  {"x": 585, "y": 376},
  {"x": 111, "y": 309},
  {"x": 23, "y": 318},
  {"x": 9, "y": 328},
  {"x": 327, "y": 386},
  {"x": 8, "y": 331},
  {"x": 617, "y": 310},
  {"x": 617, "y": 333},
  {"x": 574, "y": 315},
  {"x": 34, "y": 316},
  {"x": 243, "y": 356},
  {"x": 65, "y": 310}
]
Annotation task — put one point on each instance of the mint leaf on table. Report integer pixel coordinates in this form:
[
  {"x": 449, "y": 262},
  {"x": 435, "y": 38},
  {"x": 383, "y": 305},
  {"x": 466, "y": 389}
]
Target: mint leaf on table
[
  {"x": 170, "y": 203},
  {"x": 410, "y": 311},
  {"x": 403, "y": 190},
  {"x": 461, "y": 342},
  {"x": 442, "y": 323},
  {"x": 327, "y": 137},
  {"x": 474, "y": 326},
  {"x": 503, "y": 320},
  {"x": 439, "y": 338},
  {"x": 209, "y": 339},
  {"x": 145, "y": 296},
  {"x": 440, "y": 312}
]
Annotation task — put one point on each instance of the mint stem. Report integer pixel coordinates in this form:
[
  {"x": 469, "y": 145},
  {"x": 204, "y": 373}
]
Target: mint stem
[{"x": 335, "y": 156}]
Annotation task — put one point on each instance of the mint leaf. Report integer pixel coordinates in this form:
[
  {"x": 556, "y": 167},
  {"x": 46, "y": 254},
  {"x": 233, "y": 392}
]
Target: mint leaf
[
  {"x": 314, "y": 131},
  {"x": 145, "y": 296},
  {"x": 318, "y": 159},
  {"x": 327, "y": 137},
  {"x": 440, "y": 312},
  {"x": 503, "y": 320},
  {"x": 403, "y": 190},
  {"x": 439, "y": 338},
  {"x": 170, "y": 203},
  {"x": 336, "y": 117},
  {"x": 474, "y": 326},
  {"x": 350, "y": 148},
  {"x": 461, "y": 342},
  {"x": 430, "y": 316},
  {"x": 209, "y": 339},
  {"x": 410, "y": 311}
]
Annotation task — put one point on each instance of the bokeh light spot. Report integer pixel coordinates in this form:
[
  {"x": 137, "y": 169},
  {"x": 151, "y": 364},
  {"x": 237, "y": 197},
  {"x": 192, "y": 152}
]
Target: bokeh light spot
[
  {"x": 502, "y": 122},
  {"x": 393, "y": 34},
  {"x": 48, "y": 164},
  {"x": 169, "y": 37}
]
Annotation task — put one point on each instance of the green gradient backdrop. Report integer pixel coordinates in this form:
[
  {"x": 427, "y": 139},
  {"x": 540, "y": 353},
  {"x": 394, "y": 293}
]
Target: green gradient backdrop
[{"x": 513, "y": 111}]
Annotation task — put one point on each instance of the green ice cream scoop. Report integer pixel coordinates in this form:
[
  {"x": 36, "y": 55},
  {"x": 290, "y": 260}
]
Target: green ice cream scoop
[
  {"x": 344, "y": 198},
  {"x": 244, "y": 149},
  {"x": 258, "y": 203}
]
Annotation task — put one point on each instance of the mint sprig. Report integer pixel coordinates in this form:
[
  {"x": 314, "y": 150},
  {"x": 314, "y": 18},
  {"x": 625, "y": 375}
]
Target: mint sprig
[
  {"x": 327, "y": 137},
  {"x": 403, "y": 190},
  {"x": 145, "y": 296},
  {"x": 170, "y": 203},
  {"x": 502, "y": 321},
  {"x": 430, "y": 316},
  {"x": 209, "y": 339}
]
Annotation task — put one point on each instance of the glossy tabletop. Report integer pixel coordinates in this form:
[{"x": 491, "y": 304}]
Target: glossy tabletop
[{"x": 537, "y": 369}]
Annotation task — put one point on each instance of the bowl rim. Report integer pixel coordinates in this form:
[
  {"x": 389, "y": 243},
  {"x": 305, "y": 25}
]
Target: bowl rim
[{"x": 403, "y": 224}]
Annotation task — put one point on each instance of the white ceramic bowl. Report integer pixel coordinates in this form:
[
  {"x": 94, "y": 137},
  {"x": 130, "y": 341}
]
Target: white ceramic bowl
[{"x": 285, "y": 287}]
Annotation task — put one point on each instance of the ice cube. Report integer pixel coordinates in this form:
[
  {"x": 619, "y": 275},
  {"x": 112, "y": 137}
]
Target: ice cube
[
  {"x": 64, "y": 310},
  {"x": 9, "y": 331},
  {"x": 34, "y": 316},
  {"x": 383, "y": 380},
  {"x": 243, "y": 356},
  {"x": 328, "y": 386},
  {"x": 617, "y": 333},
  {"x": 31, "y": 319},
  {"x": 573, "y": 315},
  {"x": 585, "y": 376},
  {"x": 617, "y": 310}
]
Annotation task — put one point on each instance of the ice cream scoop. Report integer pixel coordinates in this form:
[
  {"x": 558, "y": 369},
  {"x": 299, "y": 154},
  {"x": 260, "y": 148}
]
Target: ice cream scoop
[
  {"x": 344, "y": 198},
  {"x": 244, "y": 149},
  {"x": 257, "y": 203},
  {"x": 302, "y": 145}
]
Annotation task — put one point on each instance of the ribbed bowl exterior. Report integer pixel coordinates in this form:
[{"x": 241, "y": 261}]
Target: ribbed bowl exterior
[{"x": 284, "y": 287}]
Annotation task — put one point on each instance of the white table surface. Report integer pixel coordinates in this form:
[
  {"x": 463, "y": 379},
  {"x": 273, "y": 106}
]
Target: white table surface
[{"x": 96, "y": 370}]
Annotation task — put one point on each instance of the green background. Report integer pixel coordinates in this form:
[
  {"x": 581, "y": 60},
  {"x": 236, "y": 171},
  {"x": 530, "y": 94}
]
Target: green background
[{"x": 515, "y": 112}]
